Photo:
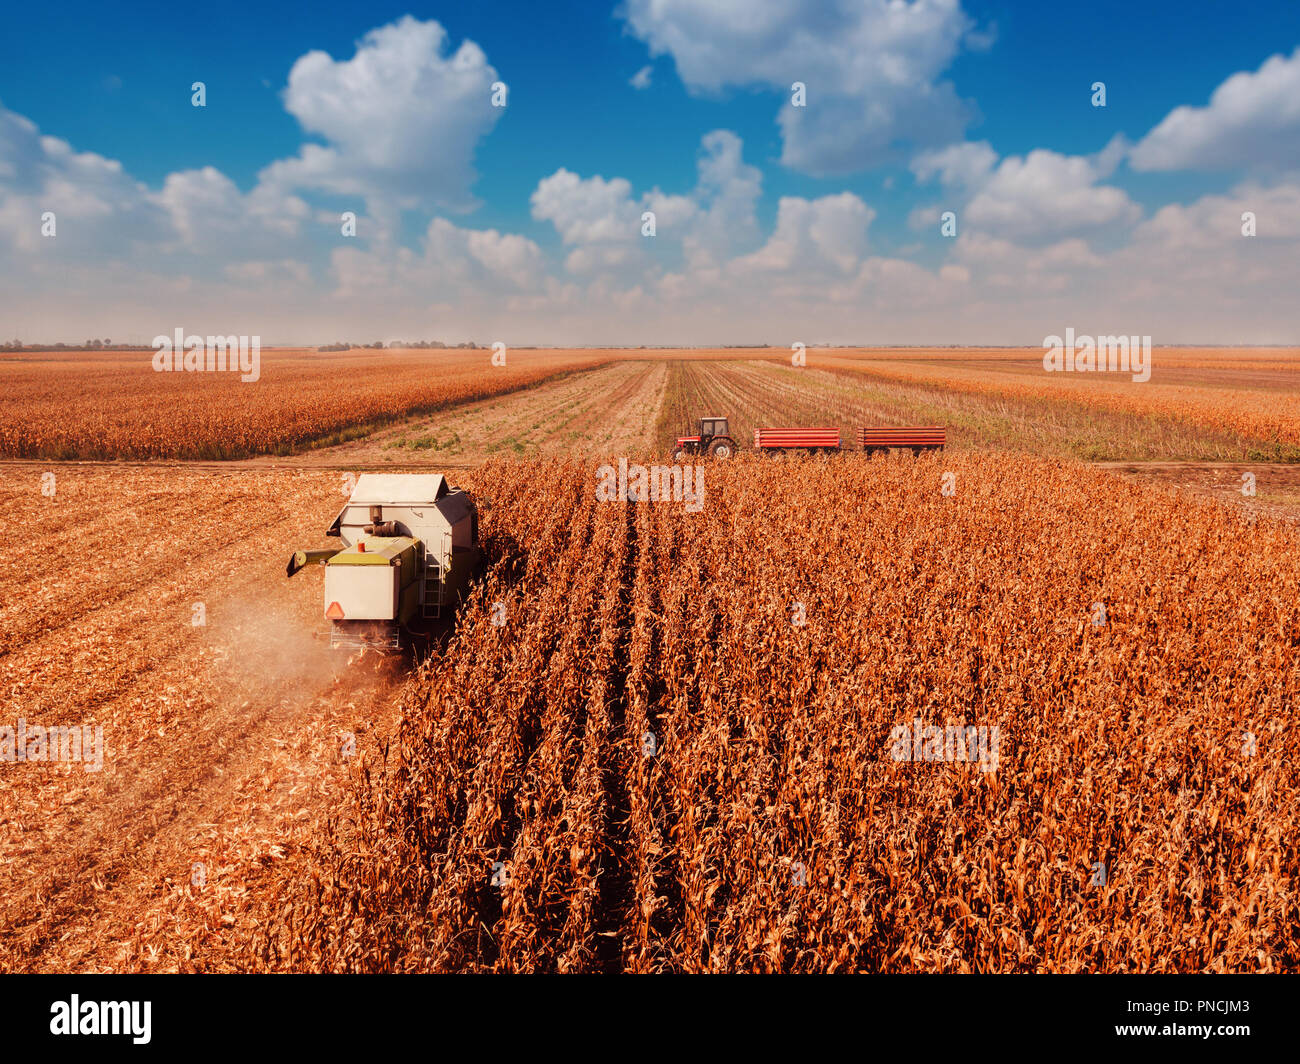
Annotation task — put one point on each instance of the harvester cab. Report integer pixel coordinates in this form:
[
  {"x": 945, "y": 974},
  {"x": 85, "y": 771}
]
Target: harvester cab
[
  {"x": 409, "y": 546},
  {"x": 713, "y": 437}
]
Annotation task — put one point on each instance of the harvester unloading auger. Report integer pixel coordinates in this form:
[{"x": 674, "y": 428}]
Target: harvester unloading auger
[{"x": 410, "y": 544}]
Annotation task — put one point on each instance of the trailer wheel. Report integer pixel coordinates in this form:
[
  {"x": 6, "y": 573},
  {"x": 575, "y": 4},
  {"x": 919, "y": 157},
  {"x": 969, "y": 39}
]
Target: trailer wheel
[{"x": 721, "y": 449}]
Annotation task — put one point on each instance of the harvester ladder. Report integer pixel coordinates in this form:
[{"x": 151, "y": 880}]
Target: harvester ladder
[{"x": 431, "y": 589}]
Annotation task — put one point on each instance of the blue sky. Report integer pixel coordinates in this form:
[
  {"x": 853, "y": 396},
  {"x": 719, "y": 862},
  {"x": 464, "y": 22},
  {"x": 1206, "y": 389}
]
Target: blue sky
[{"x": 1013, "y": 76}]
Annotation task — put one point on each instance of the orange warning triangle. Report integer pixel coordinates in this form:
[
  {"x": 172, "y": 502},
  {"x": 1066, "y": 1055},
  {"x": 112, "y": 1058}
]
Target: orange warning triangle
[{"x": 335, "y": 612}]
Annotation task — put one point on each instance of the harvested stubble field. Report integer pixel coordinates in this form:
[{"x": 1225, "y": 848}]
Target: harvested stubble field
[
  {"x": 650, "y": 767},
  {"x": 611, "y": 409},
  {"x": 222, "y": 739}
]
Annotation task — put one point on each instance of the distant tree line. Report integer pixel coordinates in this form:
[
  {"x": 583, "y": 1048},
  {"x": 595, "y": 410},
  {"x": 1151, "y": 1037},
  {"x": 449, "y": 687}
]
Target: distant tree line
[
  {"x": 89, "y": 345},
  {"x": 379, "y": 344},
  {"x": 468, "y": 345},
  {"x": 108, "y": 345}
]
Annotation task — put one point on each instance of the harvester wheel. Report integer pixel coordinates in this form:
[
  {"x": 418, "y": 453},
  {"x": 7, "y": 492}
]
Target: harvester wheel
[{"x": 722, "y": 449}]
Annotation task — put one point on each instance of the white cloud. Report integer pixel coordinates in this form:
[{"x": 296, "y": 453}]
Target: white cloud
[
  {"x": 844, "y": 134},
  {"x": 103, "y": 213},
  {"x": 965, "y": 165},
  {"x": 506, "y": 255},
  {"x": 925, "y": 217},
  {"x": 1215, "y": 221},
  {"x": 1038, "y": 197},
  {"x": 641, "y": 79},
  {"x": 402, "y": 118},
  {"x": 471, "y": 267},
  {"x": 813, "y": 237},
  {"x": 601, "y": 220},
  {"x": 212, "y": 216},
  {"x": 725, "y": 198},
  {"x": 1044, "y": 244},
  {"x": 100, "y": 211},
  {"x": 1253, "y": 120},
  {"x": 587, "y": 210},
  {"x": 998, "y": 264},
  {"x": 871, "y": 68},
  {"x": 1044, "y": 195}
]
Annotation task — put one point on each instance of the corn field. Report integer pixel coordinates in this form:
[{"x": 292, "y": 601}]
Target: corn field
[
  {"x": 667, "y": 741},
  {"x": 116, "y": 406},
  {"x": 1257, "y": 401}
]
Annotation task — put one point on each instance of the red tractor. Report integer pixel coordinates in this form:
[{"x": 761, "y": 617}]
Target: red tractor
[{"x": 714, "y": 438}]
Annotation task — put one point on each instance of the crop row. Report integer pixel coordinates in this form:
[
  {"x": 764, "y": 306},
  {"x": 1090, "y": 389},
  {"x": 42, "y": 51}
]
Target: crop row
[{"x": 668, "y": 741}]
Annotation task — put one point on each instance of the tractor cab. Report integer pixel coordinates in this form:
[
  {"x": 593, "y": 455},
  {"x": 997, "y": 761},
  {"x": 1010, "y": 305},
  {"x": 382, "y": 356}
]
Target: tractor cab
[
  {"x": 713, "y": 426},
  {"x": 713, "y": 437}
]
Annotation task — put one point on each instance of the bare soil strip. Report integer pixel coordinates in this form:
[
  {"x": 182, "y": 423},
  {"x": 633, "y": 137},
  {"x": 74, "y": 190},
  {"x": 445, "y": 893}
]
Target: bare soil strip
[{"x": 610, "y": 410}]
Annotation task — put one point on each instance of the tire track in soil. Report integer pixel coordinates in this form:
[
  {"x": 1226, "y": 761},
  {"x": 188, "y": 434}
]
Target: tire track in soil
[{"x": 110, "y": 594}]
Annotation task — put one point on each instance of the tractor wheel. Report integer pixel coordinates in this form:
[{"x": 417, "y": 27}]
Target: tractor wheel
[
  {"x": 678, "y": 455},
  {"x": 722, "y": 449}
]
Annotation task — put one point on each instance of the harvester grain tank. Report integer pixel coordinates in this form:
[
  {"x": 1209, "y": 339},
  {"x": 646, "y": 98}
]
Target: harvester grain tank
[{"x": 409, "y": 546}]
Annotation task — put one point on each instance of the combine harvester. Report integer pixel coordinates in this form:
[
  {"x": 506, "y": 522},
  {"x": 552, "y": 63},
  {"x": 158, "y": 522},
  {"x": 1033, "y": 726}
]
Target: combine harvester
[{"x": 410, "y": 544}]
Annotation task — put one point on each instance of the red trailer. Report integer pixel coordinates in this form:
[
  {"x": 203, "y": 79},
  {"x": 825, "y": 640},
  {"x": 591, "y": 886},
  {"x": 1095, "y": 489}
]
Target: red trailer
[
  {"x": 916, "y": 438},
  {"x": 779, "y": 441}
]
